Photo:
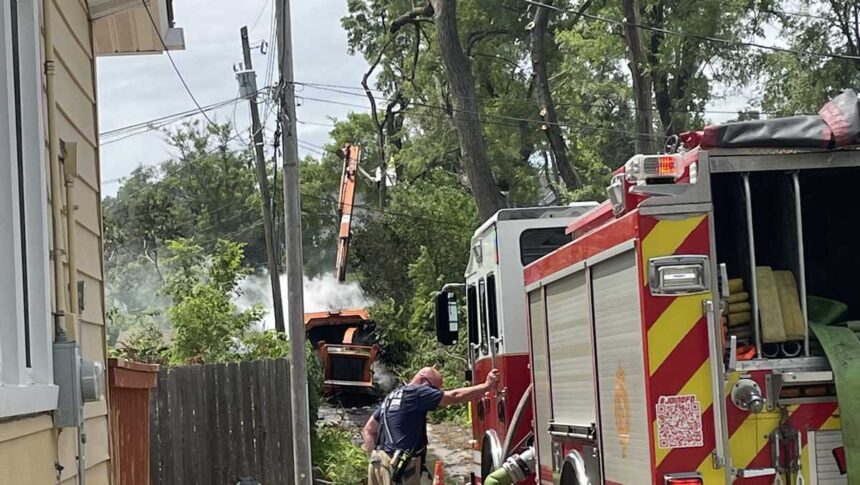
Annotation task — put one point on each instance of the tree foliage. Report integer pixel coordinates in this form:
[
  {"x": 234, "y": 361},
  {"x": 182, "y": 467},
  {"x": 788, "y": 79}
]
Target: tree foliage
[{"x": 208, "y": 326}]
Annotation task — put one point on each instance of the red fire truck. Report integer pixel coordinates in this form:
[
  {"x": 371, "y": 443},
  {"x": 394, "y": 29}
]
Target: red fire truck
[
  {"x": 500, "y": 249},
  {"x": 685, "y": 334}
]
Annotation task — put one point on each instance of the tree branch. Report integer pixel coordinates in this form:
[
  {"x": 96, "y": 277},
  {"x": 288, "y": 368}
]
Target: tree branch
[
  {"x": 411, "y": 17},
  {"x": 475, "y": 37}
]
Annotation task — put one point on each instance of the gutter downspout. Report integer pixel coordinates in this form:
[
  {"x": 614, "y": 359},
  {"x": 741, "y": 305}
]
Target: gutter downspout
[
  {"x": 54, "y": 164},
  {"x": 70, "y": 173}
]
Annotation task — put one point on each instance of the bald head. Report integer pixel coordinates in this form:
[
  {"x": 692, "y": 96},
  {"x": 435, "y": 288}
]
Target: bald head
[{"x": 428, "y": 376}]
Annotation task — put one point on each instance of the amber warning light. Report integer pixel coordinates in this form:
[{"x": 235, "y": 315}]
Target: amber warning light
[
  {"x": 642, "y": 168},
  {"x": 666, "y": 166}
]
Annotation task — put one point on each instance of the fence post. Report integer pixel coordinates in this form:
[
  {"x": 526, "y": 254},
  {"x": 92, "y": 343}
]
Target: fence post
[{"x": 129, "y": 384}]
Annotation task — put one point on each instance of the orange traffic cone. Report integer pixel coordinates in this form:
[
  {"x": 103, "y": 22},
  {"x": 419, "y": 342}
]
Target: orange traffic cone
[{"x": 439, "y": 474}]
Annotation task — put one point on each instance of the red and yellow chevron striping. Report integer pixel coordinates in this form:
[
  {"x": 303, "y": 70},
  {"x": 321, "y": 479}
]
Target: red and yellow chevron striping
[{"x": 677, "y": 340}]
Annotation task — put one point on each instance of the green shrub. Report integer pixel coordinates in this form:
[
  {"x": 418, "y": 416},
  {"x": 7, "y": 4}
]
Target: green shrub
[{"x": 337, "y": 458}]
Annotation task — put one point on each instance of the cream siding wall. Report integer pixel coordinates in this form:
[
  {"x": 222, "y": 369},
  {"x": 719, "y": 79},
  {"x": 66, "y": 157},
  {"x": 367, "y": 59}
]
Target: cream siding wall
[{"x": 30, "y": 447}]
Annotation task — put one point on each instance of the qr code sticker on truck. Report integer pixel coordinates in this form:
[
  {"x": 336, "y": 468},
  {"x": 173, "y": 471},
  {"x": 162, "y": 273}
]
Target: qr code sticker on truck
[{"x": 679, "y": 422}]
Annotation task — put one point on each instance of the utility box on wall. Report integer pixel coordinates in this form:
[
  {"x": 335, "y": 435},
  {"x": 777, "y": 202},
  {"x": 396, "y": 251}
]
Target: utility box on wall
[{"x": 79, "y": 382}]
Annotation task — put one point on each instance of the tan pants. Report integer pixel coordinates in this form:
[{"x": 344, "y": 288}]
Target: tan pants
[{"x": 379, "y": 470}]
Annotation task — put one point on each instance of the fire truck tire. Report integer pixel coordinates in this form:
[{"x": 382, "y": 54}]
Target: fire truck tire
[
  {"x": 573, "y": 470},
  {"x": 491, "y": 454}
]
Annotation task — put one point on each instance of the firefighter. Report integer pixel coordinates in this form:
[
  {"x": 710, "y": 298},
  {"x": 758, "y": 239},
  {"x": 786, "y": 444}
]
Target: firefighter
[{"x": 395, "y": 436}]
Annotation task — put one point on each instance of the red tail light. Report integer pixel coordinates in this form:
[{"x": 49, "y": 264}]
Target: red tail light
[{"x": 684, "y": 479}]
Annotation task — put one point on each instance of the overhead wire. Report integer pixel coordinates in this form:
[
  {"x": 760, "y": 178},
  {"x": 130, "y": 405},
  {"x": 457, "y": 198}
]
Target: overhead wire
[
  {"x": 704, "y": 38},
  {"x": 335, "y": 88},
  {"x": 173, "y": 62},
  {"x": 160, "y": 122}
]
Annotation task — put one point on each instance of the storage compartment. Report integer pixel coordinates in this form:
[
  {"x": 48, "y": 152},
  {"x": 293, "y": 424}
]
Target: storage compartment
[
  {"x": 831, "y": 232},
  {"x": 823, "y": 264}
]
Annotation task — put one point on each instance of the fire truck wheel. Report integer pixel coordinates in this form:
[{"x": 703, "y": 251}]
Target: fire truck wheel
[
  {"x": 491, "y": 454},
  {"x": 573, "y": 470},
  {"x": 568, "y": 475}
]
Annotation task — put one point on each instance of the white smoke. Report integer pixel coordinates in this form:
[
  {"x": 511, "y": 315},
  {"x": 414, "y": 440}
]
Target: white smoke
[
  {"x": 384, "y": 380},
  {"x": 323, "y": 293}
]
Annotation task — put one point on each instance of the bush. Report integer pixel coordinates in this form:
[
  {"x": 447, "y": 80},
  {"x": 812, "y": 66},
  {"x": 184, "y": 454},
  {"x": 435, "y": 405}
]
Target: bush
[{"x": 337, "y": 458}]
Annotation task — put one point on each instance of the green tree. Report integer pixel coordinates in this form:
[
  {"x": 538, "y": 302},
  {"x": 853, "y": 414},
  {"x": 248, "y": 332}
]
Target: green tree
[
  {"x": 208, "y": 326},
  {"x": 796, "y": 84}
]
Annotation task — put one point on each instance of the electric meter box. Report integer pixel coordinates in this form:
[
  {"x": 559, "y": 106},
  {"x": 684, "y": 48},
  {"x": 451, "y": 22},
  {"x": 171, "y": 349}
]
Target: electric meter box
[
  {"x": 79, "y": 382},
  {"x": 67, "y": 376}
]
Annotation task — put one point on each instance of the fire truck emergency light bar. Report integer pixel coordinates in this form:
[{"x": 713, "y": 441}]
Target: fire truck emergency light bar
[{"x": 641, "y": 168}]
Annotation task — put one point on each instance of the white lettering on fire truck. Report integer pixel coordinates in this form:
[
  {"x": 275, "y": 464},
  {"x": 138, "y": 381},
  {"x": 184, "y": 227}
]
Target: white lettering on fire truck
[{"x": 679, "y": 422}]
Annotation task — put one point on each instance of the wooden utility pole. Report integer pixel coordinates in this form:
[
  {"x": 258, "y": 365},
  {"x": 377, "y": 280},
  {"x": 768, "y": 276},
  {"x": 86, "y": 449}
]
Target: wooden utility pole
[
  {"x": 248, "y": 83},
  {"x": 293, "y": 234}
]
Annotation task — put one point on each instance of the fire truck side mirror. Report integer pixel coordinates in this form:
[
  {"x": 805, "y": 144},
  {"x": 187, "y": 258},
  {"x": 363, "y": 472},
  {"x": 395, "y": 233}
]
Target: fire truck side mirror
[{"x": 447, "y": 318}]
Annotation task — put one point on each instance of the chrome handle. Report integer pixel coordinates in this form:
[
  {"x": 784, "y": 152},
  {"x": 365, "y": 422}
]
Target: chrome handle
[
  {"x": 755, "y": 472},
  {"x": 733, "y": 353},
  {"x": 720, "y": 453}
]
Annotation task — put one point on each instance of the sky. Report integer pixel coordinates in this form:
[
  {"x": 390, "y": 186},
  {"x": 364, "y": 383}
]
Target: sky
[{"x": 138, "y": 88}]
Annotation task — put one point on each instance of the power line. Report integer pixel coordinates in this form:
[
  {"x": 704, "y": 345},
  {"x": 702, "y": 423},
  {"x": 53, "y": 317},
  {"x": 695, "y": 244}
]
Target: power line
[
  {"x": 705, "y": 38},
  {"x": 500, "y": 117},
  {"x": 260, "y": 15},
  {"x": 178, "y": 116},
  {"x": 332, "y": 88},
  {"x": 173, "y": 63},
  {"x": 158, "y": 123}
]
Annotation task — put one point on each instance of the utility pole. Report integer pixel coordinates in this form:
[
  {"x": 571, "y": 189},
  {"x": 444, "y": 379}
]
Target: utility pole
[
  {"x": 293, "y": 236},
  {"x": 248, "y": 85}
]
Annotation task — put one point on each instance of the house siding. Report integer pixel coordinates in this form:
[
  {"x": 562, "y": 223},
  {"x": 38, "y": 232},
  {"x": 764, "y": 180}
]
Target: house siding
[{"x": 30, "y": 448}]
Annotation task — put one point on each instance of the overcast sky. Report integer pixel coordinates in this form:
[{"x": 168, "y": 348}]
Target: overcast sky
[
  {"x": 138, "y": 88},
  {"x": 134, "y": 89}
]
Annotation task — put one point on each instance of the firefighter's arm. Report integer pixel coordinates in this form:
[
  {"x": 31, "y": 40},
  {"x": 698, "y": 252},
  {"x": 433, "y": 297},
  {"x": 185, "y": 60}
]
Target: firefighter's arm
[
  {"x": 466, "y": 394},
  {"x": 370, "y": 434}
]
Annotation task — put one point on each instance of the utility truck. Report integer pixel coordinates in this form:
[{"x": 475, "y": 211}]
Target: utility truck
[{"x": 700, "y": 326}]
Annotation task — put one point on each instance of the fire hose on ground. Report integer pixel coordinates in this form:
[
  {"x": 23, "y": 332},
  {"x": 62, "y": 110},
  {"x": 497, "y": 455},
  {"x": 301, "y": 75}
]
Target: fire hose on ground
[{"x": 514, "y": 469}]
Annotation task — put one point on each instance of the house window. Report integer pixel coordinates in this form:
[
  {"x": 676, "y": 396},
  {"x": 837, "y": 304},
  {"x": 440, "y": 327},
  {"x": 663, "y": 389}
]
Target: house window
[{"x": 26, "y": 374}]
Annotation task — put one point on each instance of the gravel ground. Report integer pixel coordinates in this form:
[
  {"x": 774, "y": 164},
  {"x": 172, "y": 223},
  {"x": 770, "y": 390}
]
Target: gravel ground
[{"x": 448, "y": 442}]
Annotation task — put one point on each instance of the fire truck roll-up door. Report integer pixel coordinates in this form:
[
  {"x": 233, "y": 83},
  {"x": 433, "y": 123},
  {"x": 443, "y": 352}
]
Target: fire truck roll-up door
[
  {"x": 570, "y": 352},
  {"x": 621, "y": 372},
  {"x": 540, "y": 379}
]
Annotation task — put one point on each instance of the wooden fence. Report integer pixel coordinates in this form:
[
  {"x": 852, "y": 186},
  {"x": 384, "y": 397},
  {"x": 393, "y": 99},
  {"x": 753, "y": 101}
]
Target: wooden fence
[{"x": 214, "y": 424}]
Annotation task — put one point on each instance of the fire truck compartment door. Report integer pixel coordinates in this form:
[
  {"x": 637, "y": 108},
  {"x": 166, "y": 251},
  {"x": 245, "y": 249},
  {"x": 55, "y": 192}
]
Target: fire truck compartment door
[
  {"x": 570, "y": 350},
  {"x": 620, "y": 369},
  {"x": 540, "y": 374}
]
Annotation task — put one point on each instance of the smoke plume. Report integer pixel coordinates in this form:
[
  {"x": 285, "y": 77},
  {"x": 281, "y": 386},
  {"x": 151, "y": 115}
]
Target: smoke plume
[{"x": 322, "y": 293}]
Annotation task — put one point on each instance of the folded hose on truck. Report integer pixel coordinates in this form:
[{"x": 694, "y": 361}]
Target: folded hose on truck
[
  {"x": 513, "y": 470},
  {"x": 842, "y": 348}
]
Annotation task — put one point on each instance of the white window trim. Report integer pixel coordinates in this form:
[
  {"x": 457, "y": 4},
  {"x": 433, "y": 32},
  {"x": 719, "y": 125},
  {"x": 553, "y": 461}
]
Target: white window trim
[{"x": 24, "y": 390}]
